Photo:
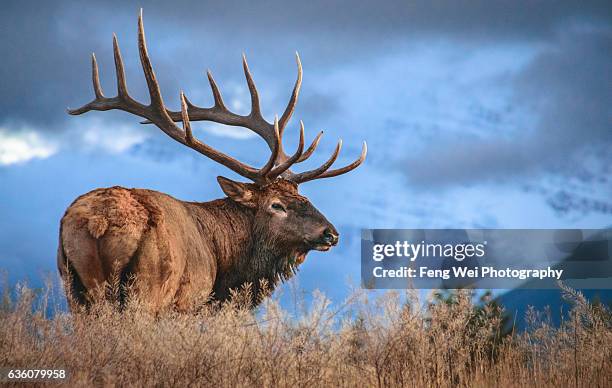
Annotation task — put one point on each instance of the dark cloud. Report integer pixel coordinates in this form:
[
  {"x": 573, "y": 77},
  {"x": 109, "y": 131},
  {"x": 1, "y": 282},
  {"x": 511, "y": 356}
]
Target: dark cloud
[
  {"x": 570, "y": 87},
  {"x": 47, "y": 44},
  {"x": 567, "y": 89}
]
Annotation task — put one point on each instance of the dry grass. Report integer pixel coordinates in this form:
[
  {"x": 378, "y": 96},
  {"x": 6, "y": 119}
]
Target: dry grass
[{"x": 388, "y": 341}]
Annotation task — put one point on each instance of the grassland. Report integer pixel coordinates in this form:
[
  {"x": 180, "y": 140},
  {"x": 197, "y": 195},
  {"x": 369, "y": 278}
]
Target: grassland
[{"x": 390, "y": 340}]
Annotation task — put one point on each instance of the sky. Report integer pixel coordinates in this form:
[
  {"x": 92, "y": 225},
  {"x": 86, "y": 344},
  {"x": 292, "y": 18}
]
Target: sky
[{"x": 477, "y": 114}]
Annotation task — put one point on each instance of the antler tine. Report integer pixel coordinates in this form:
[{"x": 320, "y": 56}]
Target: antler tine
[
  {"x": 157, "y": 101},
  {"x": 345, "y": 169},
  {"x": 95, "y": 77},
  {"x": 294, "y": 97},
  {"x": 189, "y": 139},
  {"x": 277, "y": 171},
  {"x": 350, "y": 167},
  {"x": 263, "y": 172},
  {"x": 119, "y": 70},
  {"x": 255, "y": 109},
  {"x": 322, "y": 172},
  {"x": 216, "y": 93},
  {"x": 99, "y": 95},
  {"x": 311, "y": 148},
  {"x": 312, "y": 174}
]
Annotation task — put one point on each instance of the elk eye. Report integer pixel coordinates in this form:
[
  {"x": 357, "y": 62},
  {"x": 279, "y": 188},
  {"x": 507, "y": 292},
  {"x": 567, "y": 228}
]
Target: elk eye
[{"x": 278, "y": 206}]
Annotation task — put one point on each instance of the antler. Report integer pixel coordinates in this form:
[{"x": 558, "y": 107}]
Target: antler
[{"x": 156, "y": 112}]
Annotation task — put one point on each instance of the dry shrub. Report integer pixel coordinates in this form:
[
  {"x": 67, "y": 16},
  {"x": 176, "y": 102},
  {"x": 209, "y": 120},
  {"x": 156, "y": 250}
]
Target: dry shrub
[{"x": 384, "y": 341}]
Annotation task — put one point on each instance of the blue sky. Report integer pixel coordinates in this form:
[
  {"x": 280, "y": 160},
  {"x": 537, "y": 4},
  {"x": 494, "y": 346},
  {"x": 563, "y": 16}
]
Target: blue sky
[{"x": 477, "y": 114}]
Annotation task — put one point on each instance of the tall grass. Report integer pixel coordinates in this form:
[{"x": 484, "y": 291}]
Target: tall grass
[{"x": 384, "y": 341}]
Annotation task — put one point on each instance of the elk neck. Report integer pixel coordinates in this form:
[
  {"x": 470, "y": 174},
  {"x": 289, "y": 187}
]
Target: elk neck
[{"x": 244, "y": 252}]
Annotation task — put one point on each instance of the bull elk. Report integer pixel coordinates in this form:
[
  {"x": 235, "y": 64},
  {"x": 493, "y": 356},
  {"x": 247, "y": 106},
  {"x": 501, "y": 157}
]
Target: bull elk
[{"x": 177, "y": 250}]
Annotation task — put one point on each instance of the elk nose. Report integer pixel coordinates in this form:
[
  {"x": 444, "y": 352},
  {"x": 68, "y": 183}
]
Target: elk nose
[{"x": 330, "y": 236}]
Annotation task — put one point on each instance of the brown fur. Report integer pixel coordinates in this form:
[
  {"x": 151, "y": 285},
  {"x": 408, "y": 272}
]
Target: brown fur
[{"x": 178, "y": 251}]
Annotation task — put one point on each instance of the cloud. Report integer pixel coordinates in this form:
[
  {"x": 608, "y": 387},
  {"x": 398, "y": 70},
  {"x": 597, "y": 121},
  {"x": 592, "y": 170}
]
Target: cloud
[
  {"x": 447, "y": 53},
  {"x": 113, "y": 139},
  {"x": 23, "y": 146},
  {"x": 50, "y": 42},
  {"x": 565, "y": 90},
  {"x": 569, "y": 85},
  {"x": 231, "y": 132}
]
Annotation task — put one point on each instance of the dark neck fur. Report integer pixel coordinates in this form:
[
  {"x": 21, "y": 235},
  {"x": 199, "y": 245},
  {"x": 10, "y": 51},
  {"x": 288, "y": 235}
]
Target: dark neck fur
[{"x": 246, "y": 254}]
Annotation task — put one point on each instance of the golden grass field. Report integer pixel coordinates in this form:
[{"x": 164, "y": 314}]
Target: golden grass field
[{"x": 386, "y": 341}]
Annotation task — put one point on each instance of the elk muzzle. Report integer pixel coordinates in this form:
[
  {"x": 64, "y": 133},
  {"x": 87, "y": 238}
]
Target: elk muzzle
[{"x": 328, "y": 238}]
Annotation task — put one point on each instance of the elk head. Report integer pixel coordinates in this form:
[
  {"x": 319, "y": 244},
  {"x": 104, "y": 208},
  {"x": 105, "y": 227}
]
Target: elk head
[
  {"x": 281, "y": 213},
  {"x": 283, "y": 216}
]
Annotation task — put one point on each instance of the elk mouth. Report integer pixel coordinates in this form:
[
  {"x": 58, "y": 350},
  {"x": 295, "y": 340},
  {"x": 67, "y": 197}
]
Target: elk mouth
[
  {"x": 324, "y": 244},
  {"x": 323, "y": 247}
]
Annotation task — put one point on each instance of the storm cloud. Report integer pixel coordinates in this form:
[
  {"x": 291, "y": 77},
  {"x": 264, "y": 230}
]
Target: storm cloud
[
  {"x": 566, "y": 90},
  {"x": 46, "y": 45}
]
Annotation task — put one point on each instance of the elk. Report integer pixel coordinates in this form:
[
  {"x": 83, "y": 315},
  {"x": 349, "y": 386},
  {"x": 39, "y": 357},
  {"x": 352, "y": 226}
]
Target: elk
[{"x": 176, "y": 250}]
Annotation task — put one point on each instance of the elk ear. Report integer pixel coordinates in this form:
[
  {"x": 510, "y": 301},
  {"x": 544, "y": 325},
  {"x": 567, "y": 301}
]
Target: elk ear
[{"x": 237, "y": 191}]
